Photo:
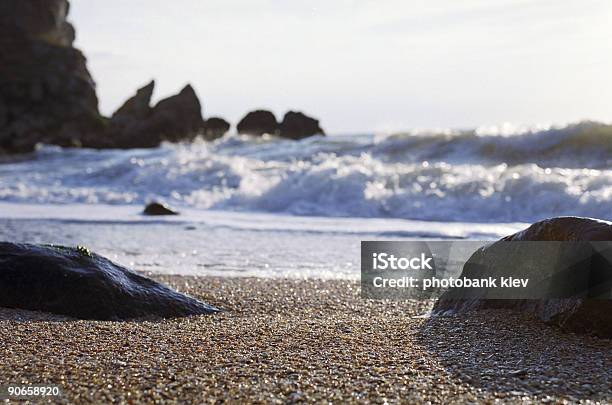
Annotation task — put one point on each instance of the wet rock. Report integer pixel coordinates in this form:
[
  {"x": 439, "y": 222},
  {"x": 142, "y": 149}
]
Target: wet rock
[
  {"x": 156, "y": 208},
  {"x": 580, "y": 282},
  {"x": 296, "y": 125},
  {"x": 138, "y": 125},
  {"x": 84, "y": 285},
  {"x": 48, "y": 93},
  {"x": 258, "y": 122},
  {"x": 215, "y": 127},
  {"x": 563, "y": 229}
]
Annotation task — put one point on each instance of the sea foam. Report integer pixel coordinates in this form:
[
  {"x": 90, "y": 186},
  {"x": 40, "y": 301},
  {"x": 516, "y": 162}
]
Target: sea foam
[{"x": 448, "y": 176}]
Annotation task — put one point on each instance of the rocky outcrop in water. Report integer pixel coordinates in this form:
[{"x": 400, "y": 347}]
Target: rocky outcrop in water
[
  {"x": 136, "y": 124},
  {"x": 47, "y": 95},
  {"x": 81, "y": 284},
  {"x": 581, "y": 276},
  {"x": 46, "y": 92},
  {"x": 295, "y": 125},
  {"x": 215, "y": 127},
  {"x": 258, "y": 122}
]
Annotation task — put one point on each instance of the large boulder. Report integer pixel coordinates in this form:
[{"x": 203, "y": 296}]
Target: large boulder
[
  {"x": 81, "y": 284},
  {"x": 296, "y": 125},
  {"x": 215, "y": 127},
  {"x": 562, "y": 229},
  {"x": 138, "y": 125},
  {"x": 46, "y": 92},
  {"x": 258, "y": 122},
  {"x": 573, "y": 280}
]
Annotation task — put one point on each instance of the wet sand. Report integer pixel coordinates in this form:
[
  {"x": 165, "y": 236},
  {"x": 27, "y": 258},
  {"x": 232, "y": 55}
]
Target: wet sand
[{"x": 290, "y": 341}]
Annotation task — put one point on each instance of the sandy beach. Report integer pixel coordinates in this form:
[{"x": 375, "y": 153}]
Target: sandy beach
[{"x": 291, "y": 340}]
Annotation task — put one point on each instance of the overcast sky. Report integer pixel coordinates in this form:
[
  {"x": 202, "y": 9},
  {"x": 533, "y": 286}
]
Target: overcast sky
[{"x": 360, "y": 66}]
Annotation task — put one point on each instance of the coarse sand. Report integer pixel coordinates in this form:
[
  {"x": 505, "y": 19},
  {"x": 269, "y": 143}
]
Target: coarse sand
[{"x": 281, "y": 341}]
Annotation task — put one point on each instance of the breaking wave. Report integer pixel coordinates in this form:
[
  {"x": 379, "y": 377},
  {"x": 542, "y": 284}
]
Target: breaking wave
[{"x": 449, "y": 176}]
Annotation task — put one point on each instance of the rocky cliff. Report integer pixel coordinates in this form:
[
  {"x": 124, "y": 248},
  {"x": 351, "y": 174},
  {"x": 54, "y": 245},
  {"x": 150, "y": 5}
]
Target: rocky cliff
[{"x": 46, "y": 92}]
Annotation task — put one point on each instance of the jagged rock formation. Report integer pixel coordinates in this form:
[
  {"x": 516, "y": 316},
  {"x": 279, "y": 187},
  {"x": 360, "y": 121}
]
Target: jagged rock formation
[
  {"x": 48, "y": 96},
  {"x": 46, "y": 92},
  {"x": 575, "y": 279},
  {"x": 295, "y": 125},
  {"x": 138, "y": 107},
  {"x": 81, "y": 284},
  {"x": 138, "y": 125}
]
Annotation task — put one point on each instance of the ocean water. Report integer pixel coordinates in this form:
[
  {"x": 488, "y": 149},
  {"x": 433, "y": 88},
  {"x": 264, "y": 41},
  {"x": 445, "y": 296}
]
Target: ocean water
[
  {"x": 272, "y": 207},
  {"x": 224, "y": 243}
]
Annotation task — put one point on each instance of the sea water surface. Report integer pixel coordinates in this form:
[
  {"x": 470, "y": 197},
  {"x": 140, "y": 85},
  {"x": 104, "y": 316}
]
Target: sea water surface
[{"x": 277, "y": 208}]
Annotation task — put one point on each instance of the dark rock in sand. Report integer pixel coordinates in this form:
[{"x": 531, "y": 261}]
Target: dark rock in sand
[
  {"x": 577, "y": 276},
  {"x": 563, "y": 229},
  {"x": 156, "y": 208},
  {"x": 215, "y": 127},
  {"x": 46, "y": 92},
  {"x": 296, "y": 125},
  {"x": 258, "y": 122},
  {"x": 81, "y": 284},
  {"x": 138, "y": 125}
]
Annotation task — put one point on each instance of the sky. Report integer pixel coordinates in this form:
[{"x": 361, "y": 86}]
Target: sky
[{"x": 359, "y": 66}]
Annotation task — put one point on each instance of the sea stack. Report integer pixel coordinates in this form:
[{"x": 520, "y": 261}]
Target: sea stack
[{"x": 136, "y": 124}]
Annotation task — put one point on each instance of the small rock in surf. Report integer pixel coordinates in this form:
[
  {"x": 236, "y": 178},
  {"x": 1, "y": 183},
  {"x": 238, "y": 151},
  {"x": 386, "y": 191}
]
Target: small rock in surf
[{"x": 156, "y": 208}]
